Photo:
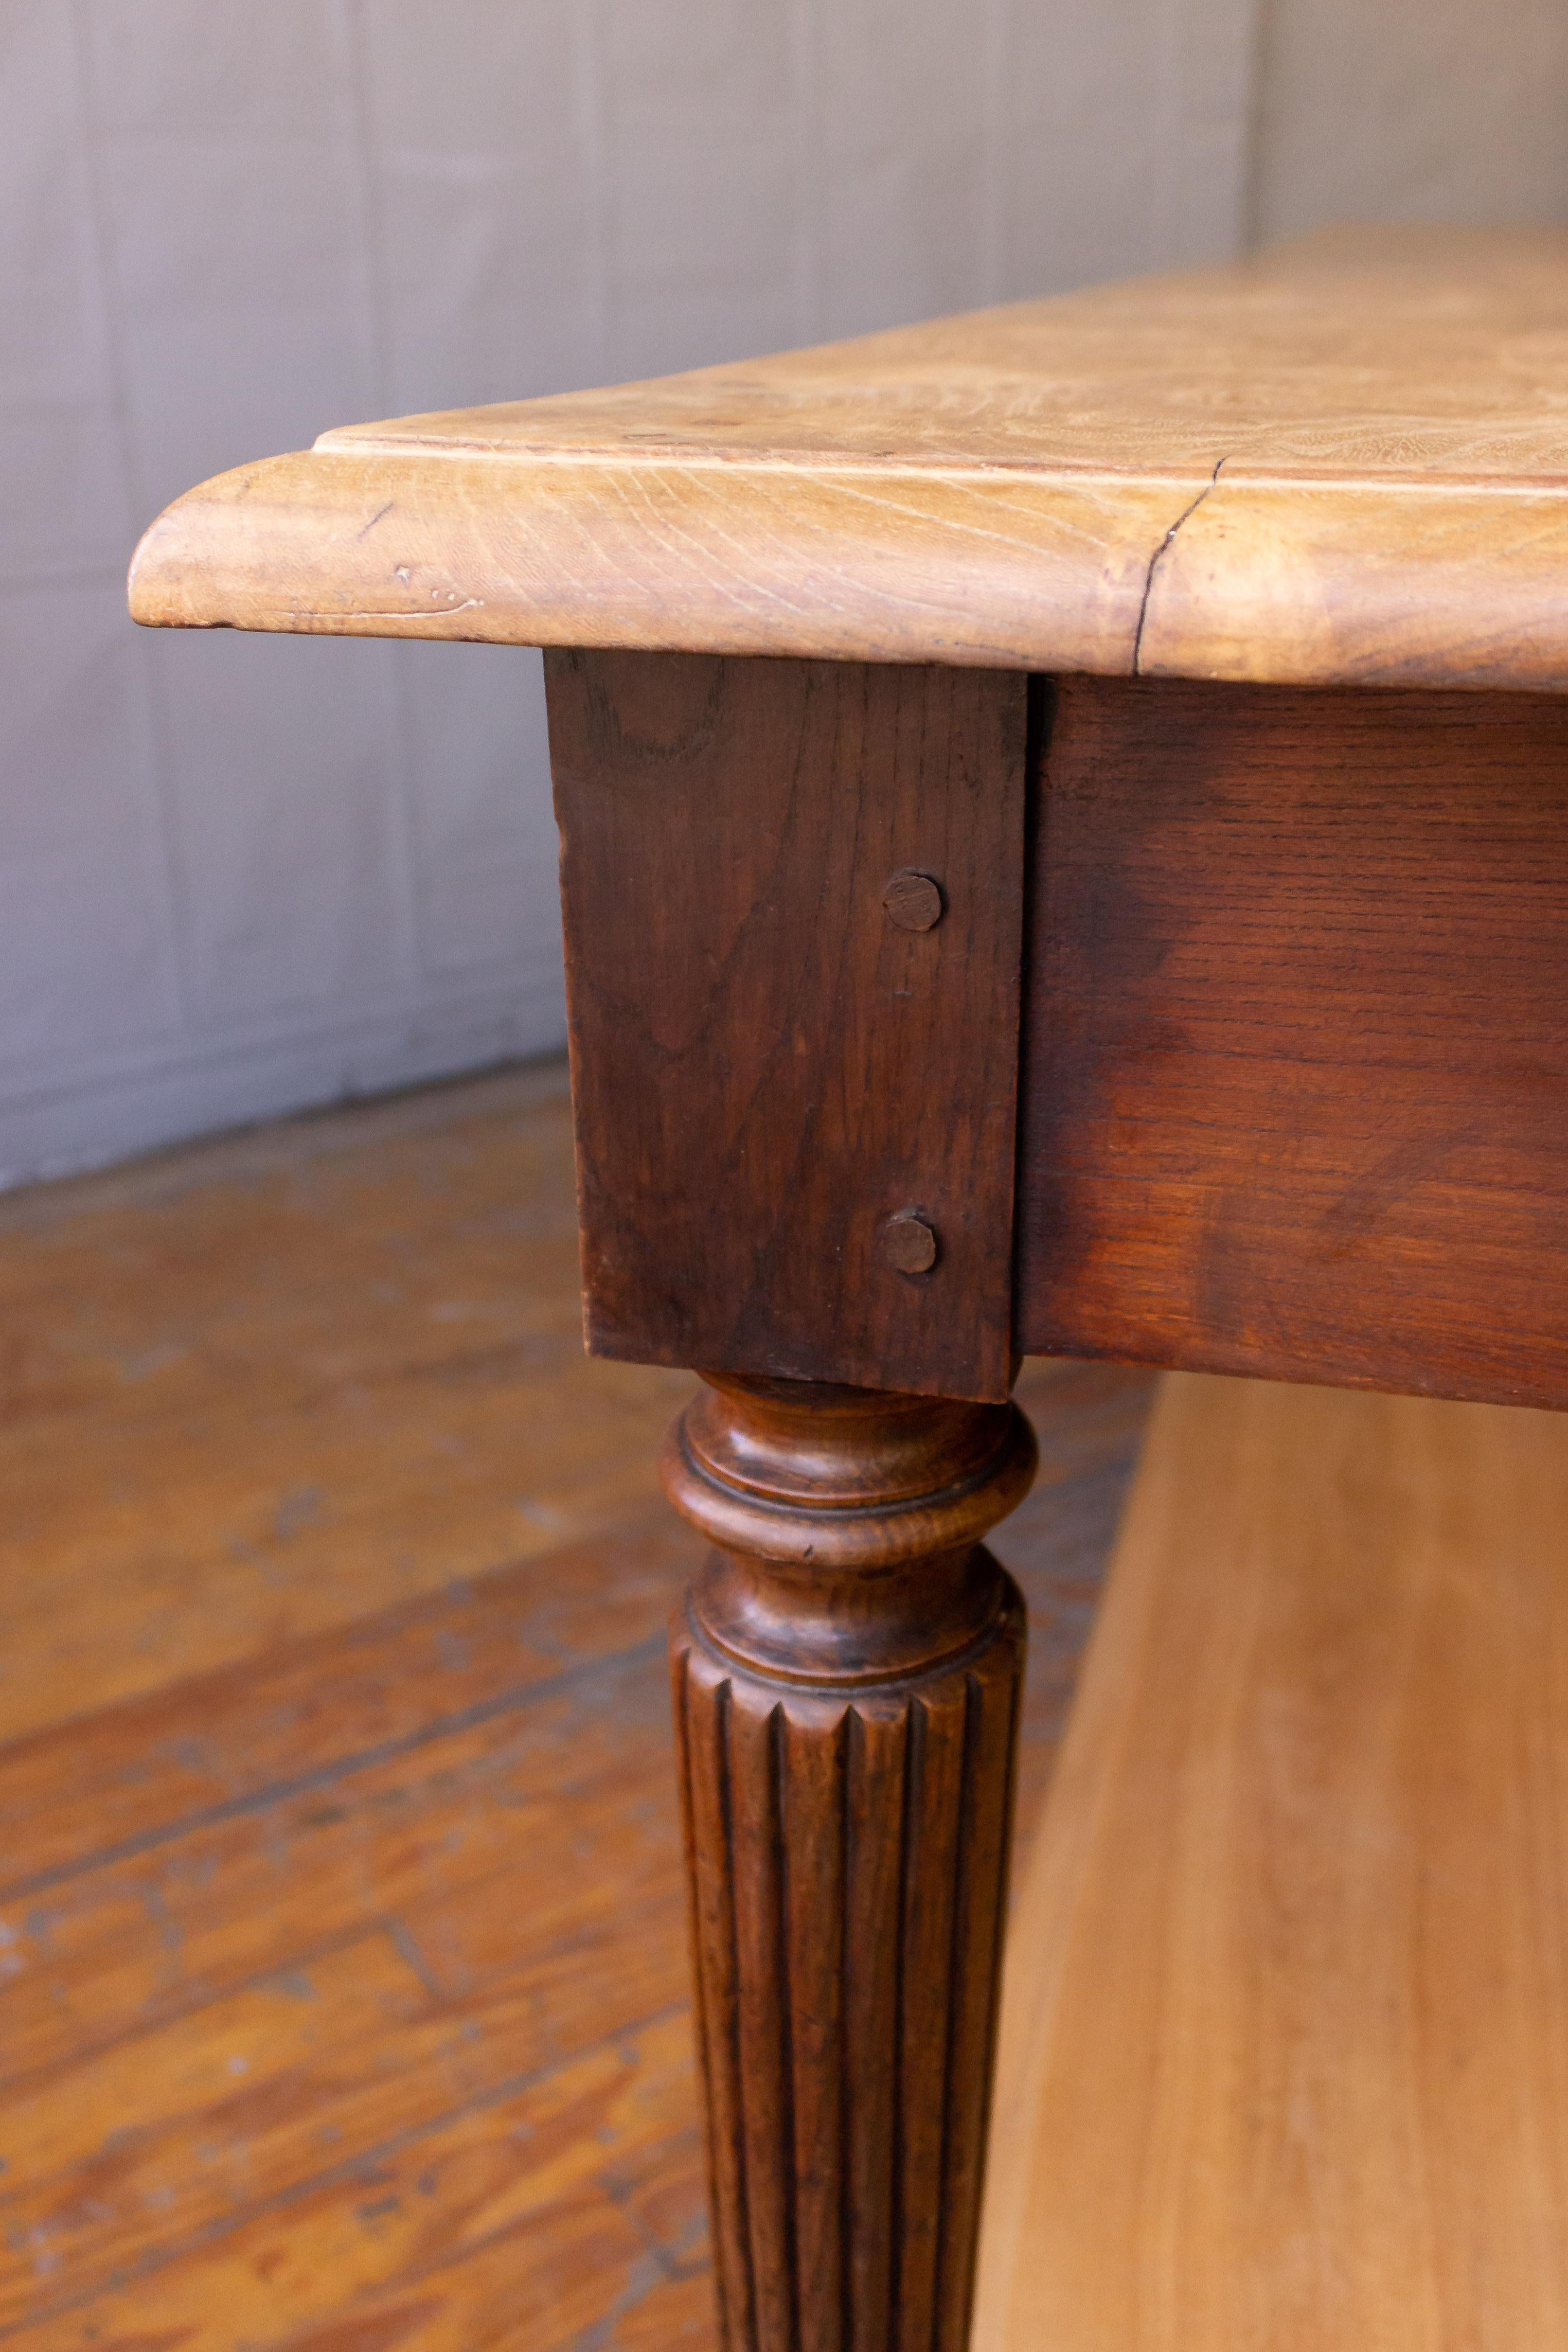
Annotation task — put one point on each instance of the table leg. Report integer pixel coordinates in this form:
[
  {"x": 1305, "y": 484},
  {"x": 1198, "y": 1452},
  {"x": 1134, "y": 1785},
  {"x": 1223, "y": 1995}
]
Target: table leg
[{"x": 846, "y": 1674}]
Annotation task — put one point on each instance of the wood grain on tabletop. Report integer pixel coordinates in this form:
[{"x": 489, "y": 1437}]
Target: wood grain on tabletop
[
  {"x": 769, "y": 1068},
  {"x": 342, "y": 1964},
  {"x": 1285, "y": 2037},
  {"x": 1342, "y": 461},
  {"x": 1295, "y": 1094}
]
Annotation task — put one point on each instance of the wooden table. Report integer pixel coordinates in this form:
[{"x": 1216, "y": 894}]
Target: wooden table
[{"x": 1065, "y": 849}]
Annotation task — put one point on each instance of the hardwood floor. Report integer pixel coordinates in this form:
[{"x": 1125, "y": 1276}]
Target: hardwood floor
[{"x": 342, "y": 1988}]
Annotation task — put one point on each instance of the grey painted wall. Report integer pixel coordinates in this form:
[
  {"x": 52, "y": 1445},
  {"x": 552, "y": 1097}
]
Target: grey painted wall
[
  {"x": 1409, "y": 109},
  {"x": 241, "y": 874}
]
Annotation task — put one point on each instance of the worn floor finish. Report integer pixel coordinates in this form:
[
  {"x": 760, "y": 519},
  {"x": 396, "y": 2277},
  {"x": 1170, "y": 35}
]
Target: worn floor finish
[{"x": 341, "y": 1974}]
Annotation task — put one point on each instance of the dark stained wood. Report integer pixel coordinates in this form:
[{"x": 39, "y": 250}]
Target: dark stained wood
[
  {"x": 765, "y": 1067},
  {"x": 847, "y": 1682},
  {"x": 913, "y": 901},
  {"x": 1296, "y": 1062},
  {"x": 908, "y": 1243}
]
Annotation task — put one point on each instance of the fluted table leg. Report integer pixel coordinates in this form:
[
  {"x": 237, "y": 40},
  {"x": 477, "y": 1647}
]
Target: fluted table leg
[{"x": 846, "y": 1676}]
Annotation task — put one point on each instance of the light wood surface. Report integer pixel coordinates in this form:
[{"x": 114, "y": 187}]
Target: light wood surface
[
  {"x": 1346, "y": 461},
  {"x": 343, "y": 1991},
  {"x": 297, "y": 1356},
  {"x": 1285, "y": 2039}
]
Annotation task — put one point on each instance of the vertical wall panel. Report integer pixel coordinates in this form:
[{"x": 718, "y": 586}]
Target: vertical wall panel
[
  {"x": 78, "y": 789},
  {"x": 1411, "y": 110},
  {"x": 227, "y": 177},
  {"x": 482, "y": 196},
  {"x": 63, "y": 502},
  {"x": 912, "y": 207},
  {"x": 487, "y": 896},
  {"x": 698, "y": 156},
  {"x": 1124, "y": 136},
  {"x": 281, "y": 761}
]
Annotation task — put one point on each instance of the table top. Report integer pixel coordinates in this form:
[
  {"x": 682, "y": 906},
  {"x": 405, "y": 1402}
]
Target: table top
[{"x": 1344, "y": 461}]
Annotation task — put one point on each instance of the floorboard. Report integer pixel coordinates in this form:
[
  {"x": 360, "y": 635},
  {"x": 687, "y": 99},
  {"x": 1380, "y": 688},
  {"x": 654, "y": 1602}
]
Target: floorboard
[{"x": 343, "y": 1995}]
